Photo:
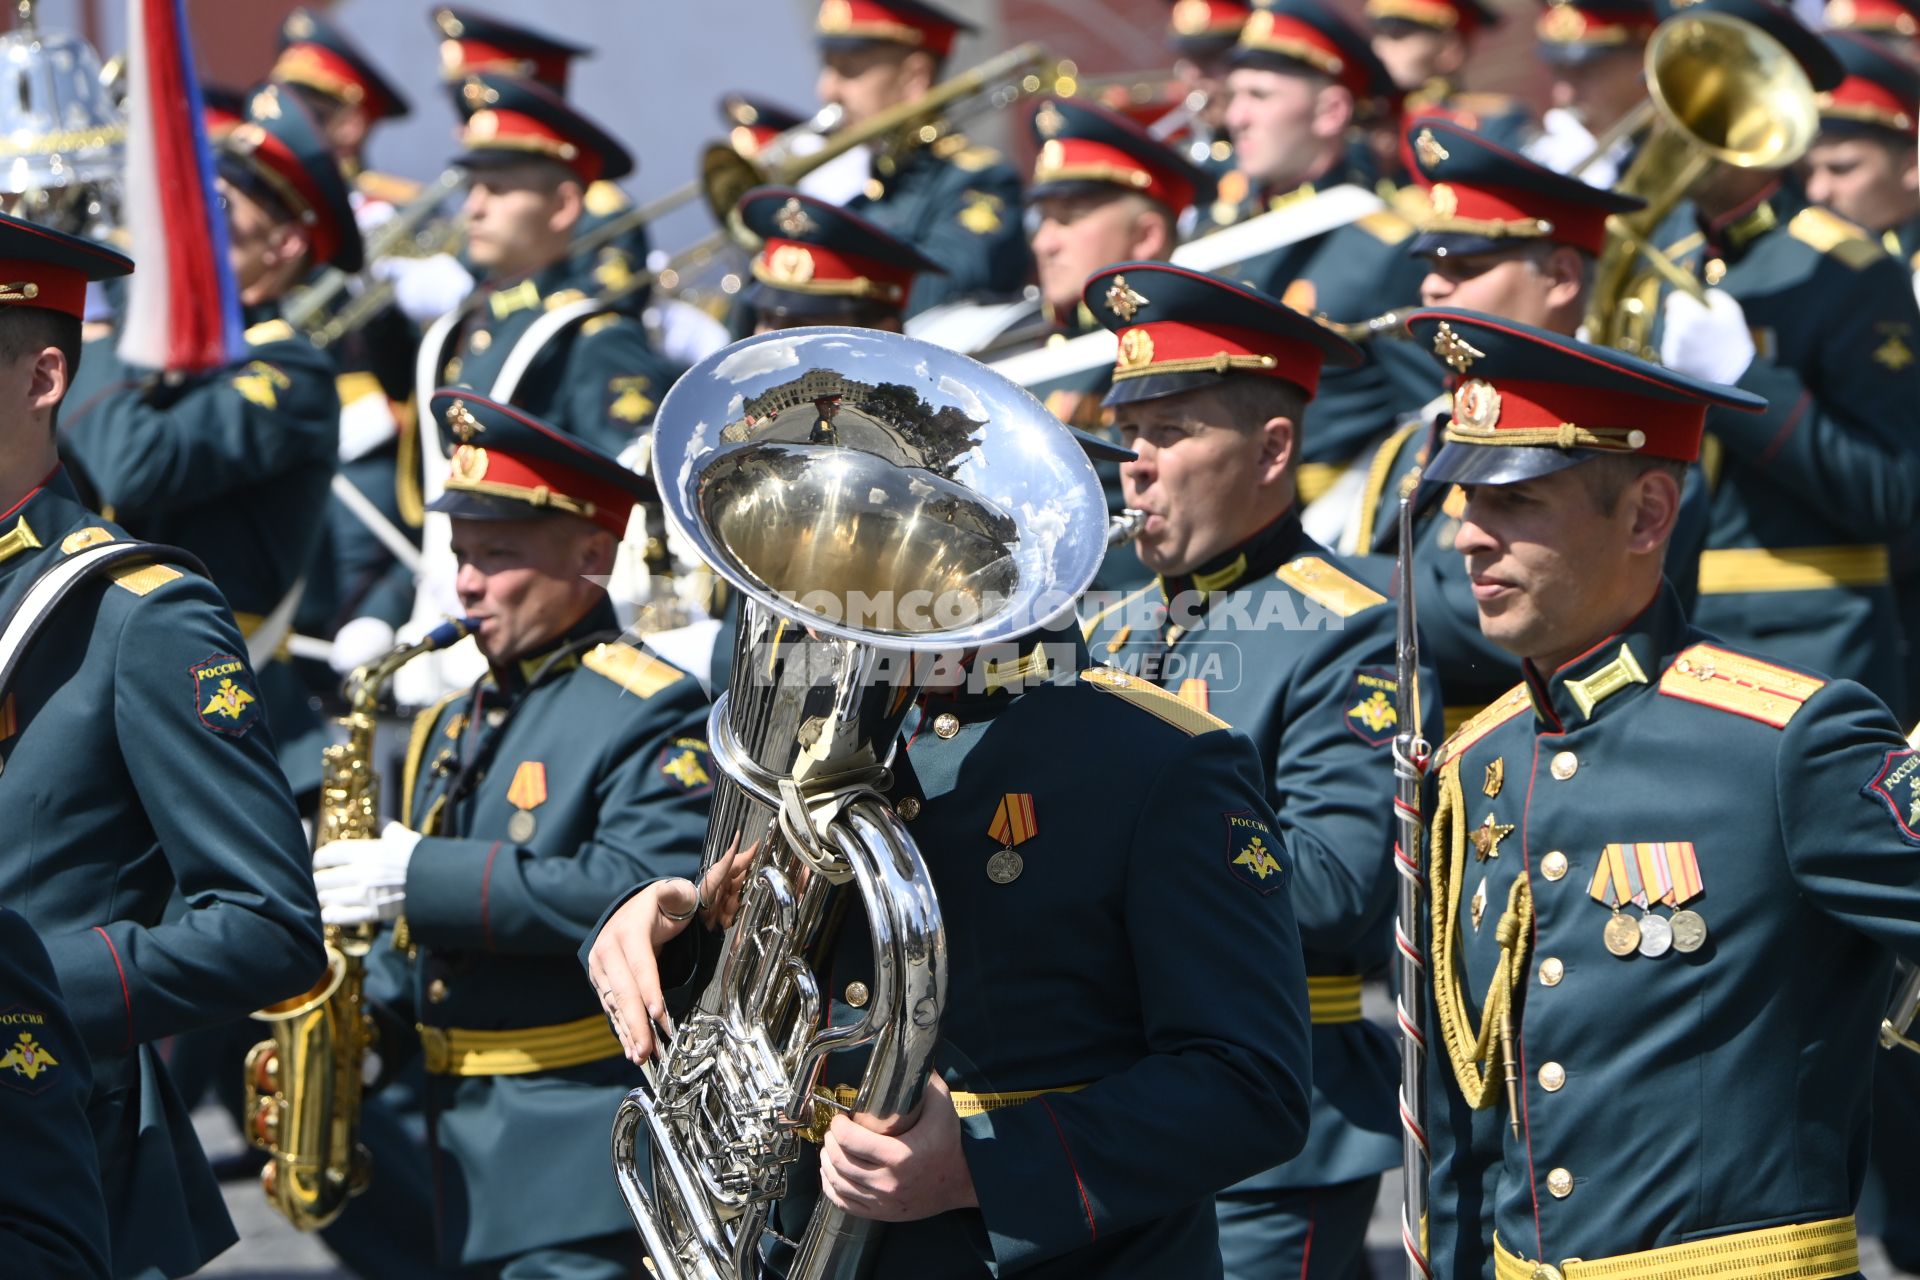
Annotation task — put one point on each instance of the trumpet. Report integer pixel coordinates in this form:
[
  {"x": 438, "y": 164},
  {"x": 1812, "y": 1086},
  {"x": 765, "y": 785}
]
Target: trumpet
[{"x": 1387, "y": 325}]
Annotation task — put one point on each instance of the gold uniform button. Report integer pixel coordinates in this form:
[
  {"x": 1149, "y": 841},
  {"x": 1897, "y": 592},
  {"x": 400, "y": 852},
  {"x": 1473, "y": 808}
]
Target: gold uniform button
[
  {"x": 1553, "y": 1077},
  {"x": 858, "y": 995},
  {"x": 1554, "y": 865},
  {"x": 1551, "y": 971},
  {"x": 1559, "y": 1183},
  {"x": 481, "y": 340},
  {"x": 1565, "y": 765},
  {"x": 496, "y": 716},
  {"x": 946, "y": 724},
  {"x": 1716, "y": 270},
  {"x": 908, "y": 809},
  {"x": 436, "y": 991}
]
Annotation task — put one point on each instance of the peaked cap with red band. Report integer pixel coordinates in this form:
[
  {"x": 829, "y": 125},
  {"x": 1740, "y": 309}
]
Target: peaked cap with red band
[
  {"x": 1464, "y": 16},
  {"x": 845, "y": 24},
  {"x": 1206, "y": 28},
  {"x": 40, "y": 267},
  {"x": 820, "y": 260},
  {"x": 317, "y": 55},
  {"x": 510, "y": 465},
  {"x": 754, "y": 122},
  {"x": 278, "y": 154},
  {"x": 1527, "y": 402},
  {"x": 1482, "y": 197},
  {"x": 1289, "y": 35},
  {"x": 1899, "y": 18},
  {"x": 1182, "y": 330},
  {"x": 1084, "y": 146},
  {"x": 512, "y": 120},
  {"x": 473, "y": 43},
  {"x": 1575, "y": 31},
  {"x": 1881, "y": 91}
]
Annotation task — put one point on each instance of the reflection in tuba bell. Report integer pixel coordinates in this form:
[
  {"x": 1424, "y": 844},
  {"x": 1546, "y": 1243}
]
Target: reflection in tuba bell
[{"x": 941, "y": 509}]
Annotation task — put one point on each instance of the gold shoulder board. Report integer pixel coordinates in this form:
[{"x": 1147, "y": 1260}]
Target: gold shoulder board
[
  {"x": 594, "y": 324},
  {"x": 564, "y": 298},
  {"x": 1489, "y": 718},
  {"x": 142, "y": 578},
  {"x": 1385, "y": 226},
  {"x": 604, "y": 199},
  {"x": 1716, "y": 677},
  {"x": 631, "y": 669},
  {"x": 1150, "y": 697},
  {"x": 390, "y": 187},
  {"x": 1328, "y": 587},
  {"x": 266, "y": 331},
  {"x": 1832, "y": 234}
]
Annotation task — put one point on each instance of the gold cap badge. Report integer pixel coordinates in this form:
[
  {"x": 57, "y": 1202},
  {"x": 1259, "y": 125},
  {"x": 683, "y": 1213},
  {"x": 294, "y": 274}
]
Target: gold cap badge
[
  {"x": 462, "y": 423},
  {"x": 1458, "y": 353},
  {"x": 1125, "y": 300},
  {"x": 1476, "y": 408},
  {"x": 1429, "y": 149},
  {"x": 794, "y": 220}
]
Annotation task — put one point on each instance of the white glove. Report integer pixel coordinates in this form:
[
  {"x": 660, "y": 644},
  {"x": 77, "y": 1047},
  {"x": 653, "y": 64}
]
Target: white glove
[
  {"x": 1710, "y": 342},
  {"x": 364, "y": 881},
  {"x": 425, "y": 288},
  {"x": 358, "y": 642}
]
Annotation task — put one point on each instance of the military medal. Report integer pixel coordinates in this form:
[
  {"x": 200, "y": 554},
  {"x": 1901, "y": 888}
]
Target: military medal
[
  {"x": 1646, "y": 872},
  {"x": 520, "y": 827},
  {"x": 1622, "y": 934},
  {"x": 1689, "y": 931},
  {"x": 1013, "y": 823},
  {"x": 527, "y": 792},
  {"x": 1656, "y": 936}
]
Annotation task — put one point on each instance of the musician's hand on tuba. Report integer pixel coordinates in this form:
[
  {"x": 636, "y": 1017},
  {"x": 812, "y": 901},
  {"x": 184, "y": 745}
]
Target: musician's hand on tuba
[
  {"x": 623, "y": 964},
  {"x": 901, "y": 1177}
]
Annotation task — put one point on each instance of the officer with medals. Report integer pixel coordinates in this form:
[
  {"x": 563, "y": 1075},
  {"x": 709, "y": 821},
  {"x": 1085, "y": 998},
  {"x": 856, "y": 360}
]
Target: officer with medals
[
  {"x": 1300, "y": 73},
  {"x": 1595, "y": 51},
  {"x": 1253, "y": 622},
  {"x": 1103, "y": 191},
  {"x": 235, "y": 465},
  {"x": 957, "y": 202},
  {"x": 1808, "y": 311},
  {"x": 1425, "y": 46},
  {"x": 1663, "y": 869},
  {"x": 1509, "y": 238},
  {"x": 577, "y": 765},
  {"x": 1202, "y": 34},
  {"x": 151, "y": 841},
  {"x": 53, "y": 1222}
]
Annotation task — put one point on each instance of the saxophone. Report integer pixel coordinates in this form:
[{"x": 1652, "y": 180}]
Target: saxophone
[{"x": 303, "y": 1085}]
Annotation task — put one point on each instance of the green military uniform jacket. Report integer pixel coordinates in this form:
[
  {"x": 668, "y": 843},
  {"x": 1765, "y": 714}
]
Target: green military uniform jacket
[
  {"x": 1142, "y": 971},
  {"x": 595, "y": 378},
  {"x": 53, "y": 1222},
  {"x": 1807, "y": 495},
  {"x": 1298, "y": 655},
  {"x": 1691, "y": 1094},
  {"x": 137, "y": 770},
  {"x": 542, "y": 794},
  {"x": 233, "y": 466},
  {"x": 960, "y": 205},
  {"x": 1350, "y": 274}
]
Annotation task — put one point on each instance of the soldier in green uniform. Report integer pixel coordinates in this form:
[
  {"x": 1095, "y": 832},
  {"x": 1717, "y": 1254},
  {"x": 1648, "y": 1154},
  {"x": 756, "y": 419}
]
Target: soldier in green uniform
[
  {"x": 53, "y": 1223},
  {"x": 1252, "y": 621},
  {"x": 151, "y": 841},
  {"x": 1300, "y": 74},
  {"x": 1512, "y": 239},
  {"x": 1863, "y": 166},
  {"x": 956, "y": 202},
  {"x": 1613, "y": 925},
  {"x": 1809, "y": 312},
  {"x": 1595, "y": 51},
  {"x": 235, "y": 465},
  {"x": 1088, "y": 1099},
  {"x": 576, "y": 765}
]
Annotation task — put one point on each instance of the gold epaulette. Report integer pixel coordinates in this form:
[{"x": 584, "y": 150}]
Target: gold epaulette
[
  {"x": 632, "y": 669},
  {"x": 1151, "y": 698},
  {"x": 965, "y": 154},
  {"x": 594, "y": 324},
  {"x": 563, "y": 298},
  {"x": 1502, "y": 709},
  {"x": 142, "y": 578},
  {"x": 275, "y": 330},
  {"x": 1833, "y": 235},
  {"x": 388, "y": 187},
  {"x": 1715, "y": 677},
  {"x": 605, "y": 199},
  {"x": 1385, "y": 226},
  {"x": 1327, "y": 586}
]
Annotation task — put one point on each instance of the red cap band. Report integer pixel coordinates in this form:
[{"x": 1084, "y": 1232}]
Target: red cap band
[
  {"x": 1084, "y": 160},
  {"x": 1287, "y": 36},
  {"x": 875, "y": 20},
  {"x": 540, "y": 484},
  {"x": 273, "y": 160},
  {"x": 494, "y": 129},
  {"x": 1567, "y": 416},
  {"x": 318, "y": 67},
  {"x": 1172, "y": 346},
  {"x": 1497, "y": 211},
  {"x": 813, "y": 269},
  {"x": 1870, "y": 102},
  {"x": 24, "y": 282},
  {"x": 466, "y": 56}
]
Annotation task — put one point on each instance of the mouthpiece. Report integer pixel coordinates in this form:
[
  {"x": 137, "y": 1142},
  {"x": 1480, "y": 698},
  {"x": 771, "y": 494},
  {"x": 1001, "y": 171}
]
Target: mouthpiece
[{"x": 452, "y": 631}]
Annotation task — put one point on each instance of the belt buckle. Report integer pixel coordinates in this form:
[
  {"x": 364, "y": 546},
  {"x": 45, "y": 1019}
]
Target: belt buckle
[{"x": 1546, "y": 1271}]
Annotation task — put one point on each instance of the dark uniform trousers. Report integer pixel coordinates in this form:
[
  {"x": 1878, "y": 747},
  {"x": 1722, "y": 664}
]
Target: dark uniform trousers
[
  {"x": 153, "y": 844},
  {"x": 1126, "y": 1021},
  {"x": 1714, "y": 1080},
  {"x": 1294, "y": 651},
  {"x": 53, "y": 1222},
  {"x": 542, "y": 795}
]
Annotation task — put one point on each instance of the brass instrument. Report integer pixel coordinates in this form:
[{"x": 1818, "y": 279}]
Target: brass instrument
[
  {"x": 303, "y": 1085},
  {"x": 413, "y": 231},
  {"x": 836, "y": 478},
  {"x": 1388, "y": 324},
  {"x": 1723, "y": 91}
]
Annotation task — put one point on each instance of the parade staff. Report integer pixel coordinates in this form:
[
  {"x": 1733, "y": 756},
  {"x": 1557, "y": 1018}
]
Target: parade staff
[
  {"x": 577, "y": 765},
  {"x": 1611, "y": 921},
  {"x": 151, "y": 838},
  {"x": 1212, "y": 382},
  {"x": 957, "y": 202}
]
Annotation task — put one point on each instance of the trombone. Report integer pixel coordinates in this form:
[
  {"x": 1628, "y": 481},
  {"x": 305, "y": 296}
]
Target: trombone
[{"x": 410, "y": 225}]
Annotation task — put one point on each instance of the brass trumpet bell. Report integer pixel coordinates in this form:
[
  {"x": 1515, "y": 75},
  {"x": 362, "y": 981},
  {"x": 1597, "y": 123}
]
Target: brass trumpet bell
[{"x": 1737, "y": 94}]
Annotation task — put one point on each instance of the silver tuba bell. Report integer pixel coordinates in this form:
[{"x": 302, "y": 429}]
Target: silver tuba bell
[
  {"x": 62, "y": 135},
  {"x": 877, "y": 502}
]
